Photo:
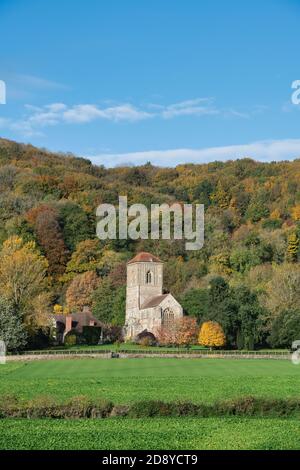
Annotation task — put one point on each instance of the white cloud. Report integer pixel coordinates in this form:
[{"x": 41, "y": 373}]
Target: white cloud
[
  {"x": 89, "y": 112},
  {"x": 55, "y": 107},
  {"x": 268, "y": 150},
  {"x": 38, "y": 117},
  {"x": 81, "y": 113},
  {"x": 196, "y": 107},
  {"x": 126, "y": 112}
]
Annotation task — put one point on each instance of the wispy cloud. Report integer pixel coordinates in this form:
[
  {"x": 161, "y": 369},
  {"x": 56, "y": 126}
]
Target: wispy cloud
[
  {"x": 268, "y": 150},
  {"x": 22, "y": 87},
  {"x": 195, "y": 107},
  {"x": 32, "y": 81},
  {"x": 37, "y": 118},
  {"x": 89, "y": 112}
]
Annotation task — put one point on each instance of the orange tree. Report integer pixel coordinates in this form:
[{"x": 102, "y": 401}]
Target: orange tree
[
  {"x": 211, "y": 335},
  {"x": 182, "y": 332}
]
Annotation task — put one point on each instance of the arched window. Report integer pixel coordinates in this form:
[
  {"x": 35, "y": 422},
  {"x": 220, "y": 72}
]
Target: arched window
[
  {"x": 149, "y": 277},
  {"x": 167, "y": 317}
]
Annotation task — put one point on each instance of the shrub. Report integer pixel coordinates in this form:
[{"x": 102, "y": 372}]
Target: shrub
[
  {"x": 91, "y": 334},
  {"x": 120, "y": 411},
  {"x": 47, "y": 407},
  {"x": 147, "y": 341},
  {"x": 70, "y": 340},
  {"x": 272, "y": 224},
  {"x": 149, "y": 409}
]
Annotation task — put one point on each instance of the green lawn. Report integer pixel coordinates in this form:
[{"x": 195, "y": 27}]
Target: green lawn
[
  {"x": 128, "y": 380},
  {"x": 151, "y": 434}
]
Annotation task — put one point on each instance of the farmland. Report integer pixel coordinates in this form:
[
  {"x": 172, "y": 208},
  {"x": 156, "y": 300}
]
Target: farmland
[
  {"x": 151, "y": 434},
  {"x": 125, "y": 381},
  {"x": 129, "y": 380}
]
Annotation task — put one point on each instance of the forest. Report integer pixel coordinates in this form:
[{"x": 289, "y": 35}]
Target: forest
[{"x": 246, "y": 277}]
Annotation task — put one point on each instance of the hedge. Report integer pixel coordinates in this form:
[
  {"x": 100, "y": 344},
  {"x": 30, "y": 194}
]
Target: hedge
[{"x": 83, "y": 407}]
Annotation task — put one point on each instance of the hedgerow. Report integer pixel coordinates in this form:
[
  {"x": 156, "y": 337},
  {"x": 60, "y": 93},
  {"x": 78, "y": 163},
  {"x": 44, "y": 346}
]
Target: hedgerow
[{"x": 83, "y": 407}]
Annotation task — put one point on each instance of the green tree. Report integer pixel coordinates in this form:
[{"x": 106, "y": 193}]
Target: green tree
[
  {"x": 109, "y": 303},
  {"x": 103, "y": 301},
  {"x": 222, "y": 309},
  {"x": 75, "y": 223},
  {"x": 12, "y": 331},
  {"x": 86, "y": 257},
  {"x": 248, "y": 312},
  {"x": 195, "y": 303},
  {"x": 285, "y": 329},
  {"x": 119, "y": 306}
]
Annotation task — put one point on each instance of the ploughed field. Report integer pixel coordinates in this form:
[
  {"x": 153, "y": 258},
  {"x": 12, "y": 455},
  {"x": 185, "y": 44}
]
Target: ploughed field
[{"x": 125, "y": 381}]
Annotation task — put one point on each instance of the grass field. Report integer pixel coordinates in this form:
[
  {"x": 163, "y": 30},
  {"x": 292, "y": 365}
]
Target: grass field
[
  {"x": 151, "y": 434},
  {"x": 129, "y": 380}
]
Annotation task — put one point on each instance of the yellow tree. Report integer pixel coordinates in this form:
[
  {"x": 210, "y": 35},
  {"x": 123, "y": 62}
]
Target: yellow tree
[
  {"x": 293, "y": 247},
  {"x": 58, "y": 309},
  {"x": 296, "y": 213},
  {"x": 221, "y": 197},
  {"x": 23, "y": 275},
  {"x": 211, "y": 335},
  {"x": 275, "y": 214}
]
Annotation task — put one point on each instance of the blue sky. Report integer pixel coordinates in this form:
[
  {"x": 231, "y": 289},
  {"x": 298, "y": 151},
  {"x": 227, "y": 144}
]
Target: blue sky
[{"x": 167, "y": 81}]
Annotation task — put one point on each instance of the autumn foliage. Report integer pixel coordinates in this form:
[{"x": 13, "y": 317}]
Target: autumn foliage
[
  {"x": 211, "y": 335},
  {"x": 23, "y": 280},
  {"x": 182, "y": 332},
  {"x": 80, "y": 290},
  {"x": 48, "y": 219},
  {"x": 45, "y": 222}
]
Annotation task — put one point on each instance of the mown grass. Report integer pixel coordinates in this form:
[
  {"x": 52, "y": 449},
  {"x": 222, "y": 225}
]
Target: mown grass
[
  {"x": 151, "y": 434},
  {"x": 130, "y": 380}
]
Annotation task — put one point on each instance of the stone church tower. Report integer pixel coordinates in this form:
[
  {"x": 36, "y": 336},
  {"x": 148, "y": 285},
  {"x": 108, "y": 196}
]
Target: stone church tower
[{"x": 147, "y": 308}]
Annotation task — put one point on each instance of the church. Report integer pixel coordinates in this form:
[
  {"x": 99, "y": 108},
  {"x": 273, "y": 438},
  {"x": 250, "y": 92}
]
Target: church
[{"x": 147, "y": 308}]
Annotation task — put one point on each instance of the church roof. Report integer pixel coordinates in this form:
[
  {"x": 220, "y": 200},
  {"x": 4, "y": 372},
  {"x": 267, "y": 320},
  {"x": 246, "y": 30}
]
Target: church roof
[
  {"x": 143, "y": 257},
  {"x": 154, "y": 301}
]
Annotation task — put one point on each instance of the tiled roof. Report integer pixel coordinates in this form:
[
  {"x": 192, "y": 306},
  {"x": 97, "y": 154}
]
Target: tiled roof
[
  {"x": 82, "y": 318},
  {"x": 154, "y": 301},
  {"x": 144, "y": 257}
]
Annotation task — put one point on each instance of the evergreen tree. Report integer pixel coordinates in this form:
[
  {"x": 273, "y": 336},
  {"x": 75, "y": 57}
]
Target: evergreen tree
[{"x": 12, "y": 331}]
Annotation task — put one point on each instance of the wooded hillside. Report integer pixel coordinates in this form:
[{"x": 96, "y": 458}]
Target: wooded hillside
[{"x": 247, "y": 276}]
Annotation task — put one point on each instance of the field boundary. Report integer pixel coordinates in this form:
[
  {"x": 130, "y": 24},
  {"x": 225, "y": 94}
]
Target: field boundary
[
  {"x": 108, "y": 354},
  {"x": 83, "y": 407}
]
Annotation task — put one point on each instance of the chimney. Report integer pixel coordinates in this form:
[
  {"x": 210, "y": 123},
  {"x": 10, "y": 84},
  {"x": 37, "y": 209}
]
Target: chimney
[{"x": 68, "y": 324}]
